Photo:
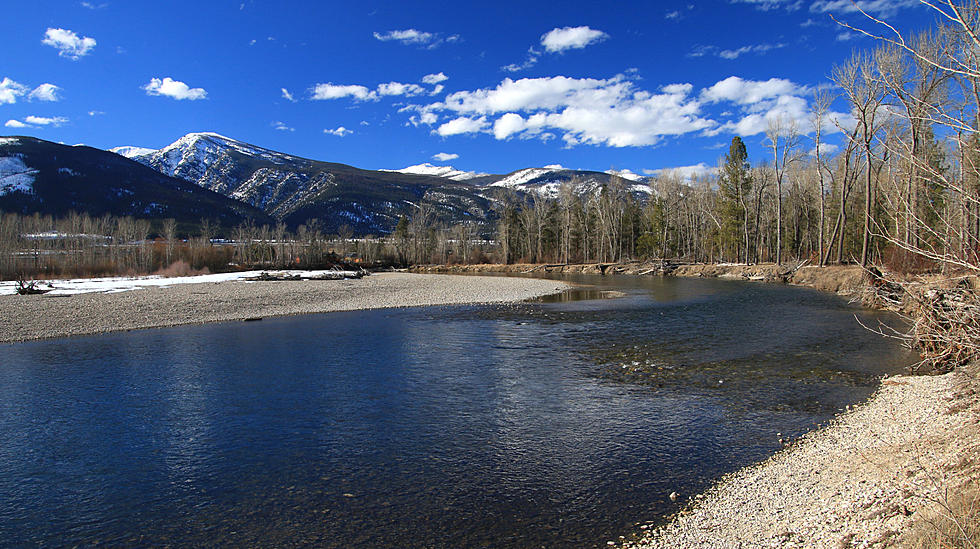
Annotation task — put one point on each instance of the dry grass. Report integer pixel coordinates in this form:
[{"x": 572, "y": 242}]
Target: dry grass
[{"x": 949, "y": 514}]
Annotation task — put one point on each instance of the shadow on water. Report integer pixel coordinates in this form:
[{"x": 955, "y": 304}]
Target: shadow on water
[{"x": 556, "y": 423}]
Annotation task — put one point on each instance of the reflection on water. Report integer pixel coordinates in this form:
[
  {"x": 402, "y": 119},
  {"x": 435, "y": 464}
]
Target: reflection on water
[{"x": 557, "y": 424}]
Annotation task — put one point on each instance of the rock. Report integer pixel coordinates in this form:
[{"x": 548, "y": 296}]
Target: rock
[{"x": 673, "y": 496}]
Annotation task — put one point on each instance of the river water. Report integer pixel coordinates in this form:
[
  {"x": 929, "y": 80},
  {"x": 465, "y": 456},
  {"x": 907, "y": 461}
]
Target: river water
[{"x": 563, "y": 422}]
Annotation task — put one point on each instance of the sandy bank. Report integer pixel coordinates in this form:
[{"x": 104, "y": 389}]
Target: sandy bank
[
  {"x": 862, "y": 481},
  {"x": 42, "y": 316}
]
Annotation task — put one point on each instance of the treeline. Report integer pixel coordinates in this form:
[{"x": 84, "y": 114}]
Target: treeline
[{"x": 79, "y": 245}]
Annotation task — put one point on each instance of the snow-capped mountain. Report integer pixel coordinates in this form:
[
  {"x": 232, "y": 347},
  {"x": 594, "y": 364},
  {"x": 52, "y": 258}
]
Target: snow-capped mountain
[
  {"x": 293, "y": 189},
  {"x": 447, "y": 172},
  {"x": 50, "y": 178},
  {"x": 548, "y": 182}
]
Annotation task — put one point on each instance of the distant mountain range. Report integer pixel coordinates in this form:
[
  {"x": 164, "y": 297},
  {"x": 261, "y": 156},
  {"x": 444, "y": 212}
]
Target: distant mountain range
[
  {"x": 39, "y": 176},
  {"x": 240, "y": 181}
]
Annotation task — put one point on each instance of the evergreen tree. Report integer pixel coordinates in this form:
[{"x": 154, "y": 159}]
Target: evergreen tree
[{"x": 735, "y": 184}]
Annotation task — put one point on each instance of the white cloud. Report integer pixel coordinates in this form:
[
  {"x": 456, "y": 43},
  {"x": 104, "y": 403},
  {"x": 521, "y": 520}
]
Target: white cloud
[
  {"x": 611, "y": 111},
  {"x": 508, "y": 125},
  {"x": 333, "y": 91},
  {"x": 10, "y": 91},
  {"x": 35, "y": 121},
  {"x": 42, "y": 121},
  {"x": 766, "y": 5},
  {"x": 434, "y": 78},
  {"x": 175, "y": 89},
  {"x": 566, "y": 38},
  {"x": 407, "y": 36},
  {"x": 875, "y": 7},
  {"x": 437, "y": 90},
  {"x": 68, "y": 43},
  {"x": 281, "y": 126},
  {"x": 288, "y": 96},
  {"x": 95, "y": 113},
  {"x": 397, "y": 88},
  {"x": 825, "y": 148},
  {"x": 745, "y": 92},
  {"x": 685, "y": 172},
  {"x": 340, "y": 131},
  {"x": 92, "y": 6},
  {"x": 445, "y": 157},
  {"x": 757, "y": 48},
  {"x": 45, "y": 92},
  {"x": 532, "y": 59},
  {"x": 462, "y": 125},
  {"x": 672, "y": 15},
  {"x": 414, "y": 37}
]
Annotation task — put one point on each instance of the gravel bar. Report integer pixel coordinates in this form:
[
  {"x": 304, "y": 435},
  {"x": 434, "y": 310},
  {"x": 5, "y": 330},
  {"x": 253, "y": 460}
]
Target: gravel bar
[
  {"x": 857, "y": 482},
  {"x": 39, "y": 317}
]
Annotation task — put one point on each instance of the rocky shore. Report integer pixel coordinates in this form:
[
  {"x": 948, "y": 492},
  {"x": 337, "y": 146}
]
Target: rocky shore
[
  {"x": 27, "y": 317},
  {"x": 883, "y": 474}
]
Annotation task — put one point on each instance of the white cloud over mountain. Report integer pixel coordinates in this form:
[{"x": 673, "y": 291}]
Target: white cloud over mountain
[{"x": 175, "y": 89}]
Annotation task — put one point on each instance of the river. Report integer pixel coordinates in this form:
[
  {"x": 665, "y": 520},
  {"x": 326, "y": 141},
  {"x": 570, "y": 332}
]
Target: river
[{"x": 563, "y": 422}]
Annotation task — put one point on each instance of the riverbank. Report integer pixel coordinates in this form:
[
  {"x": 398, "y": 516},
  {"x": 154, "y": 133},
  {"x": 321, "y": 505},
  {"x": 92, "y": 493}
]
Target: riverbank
[
  {"x": 29, "y": 317},
  {"x": 843, "y": 280},
  {"x": 884, "y": 474}
]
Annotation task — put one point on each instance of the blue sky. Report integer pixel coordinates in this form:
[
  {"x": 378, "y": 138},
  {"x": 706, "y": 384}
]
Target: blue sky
[{"x": 637, "y": 86}]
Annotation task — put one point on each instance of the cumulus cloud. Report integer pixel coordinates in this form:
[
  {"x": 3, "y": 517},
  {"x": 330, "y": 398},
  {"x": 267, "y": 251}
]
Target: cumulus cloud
[
  {"x": 175, "y": 89},
  {"x": 68, "y": 43},
  {"x": 288, "y": 96},
  {"x": 340, "y": 131},
  {"x": 445, "y": 157},
  {"x": 397, "y": 88},
  {"x": 616, "y": 112},
  {"x": 333, "y": 91},
  {"x": 281, "y": 126},
  {"x": 567, "y": 38},
  {"x": 434, "y": 78},
  {"x": 744, "y": 92},
  {"x": 45, "y": 92},
  {"x": 593, "y": 111},
  {"x": 16, "y": 124},
  {"x": 10, "y": 91},
  {"x": 462, "y": 125}
]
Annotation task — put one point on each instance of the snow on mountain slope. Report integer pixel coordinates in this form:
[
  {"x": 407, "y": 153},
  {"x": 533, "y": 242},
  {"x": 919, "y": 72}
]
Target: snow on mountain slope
[
  {"x": 15, "y": 176},
  {"x": 295, "y": 190},
  {"x": 130, "y": 152},
  {"x": 447, "y": 172}
]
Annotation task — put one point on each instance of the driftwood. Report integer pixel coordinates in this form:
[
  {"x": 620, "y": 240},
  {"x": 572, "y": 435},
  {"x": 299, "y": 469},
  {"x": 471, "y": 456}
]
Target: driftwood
[{"x": 25, "y": 287}]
